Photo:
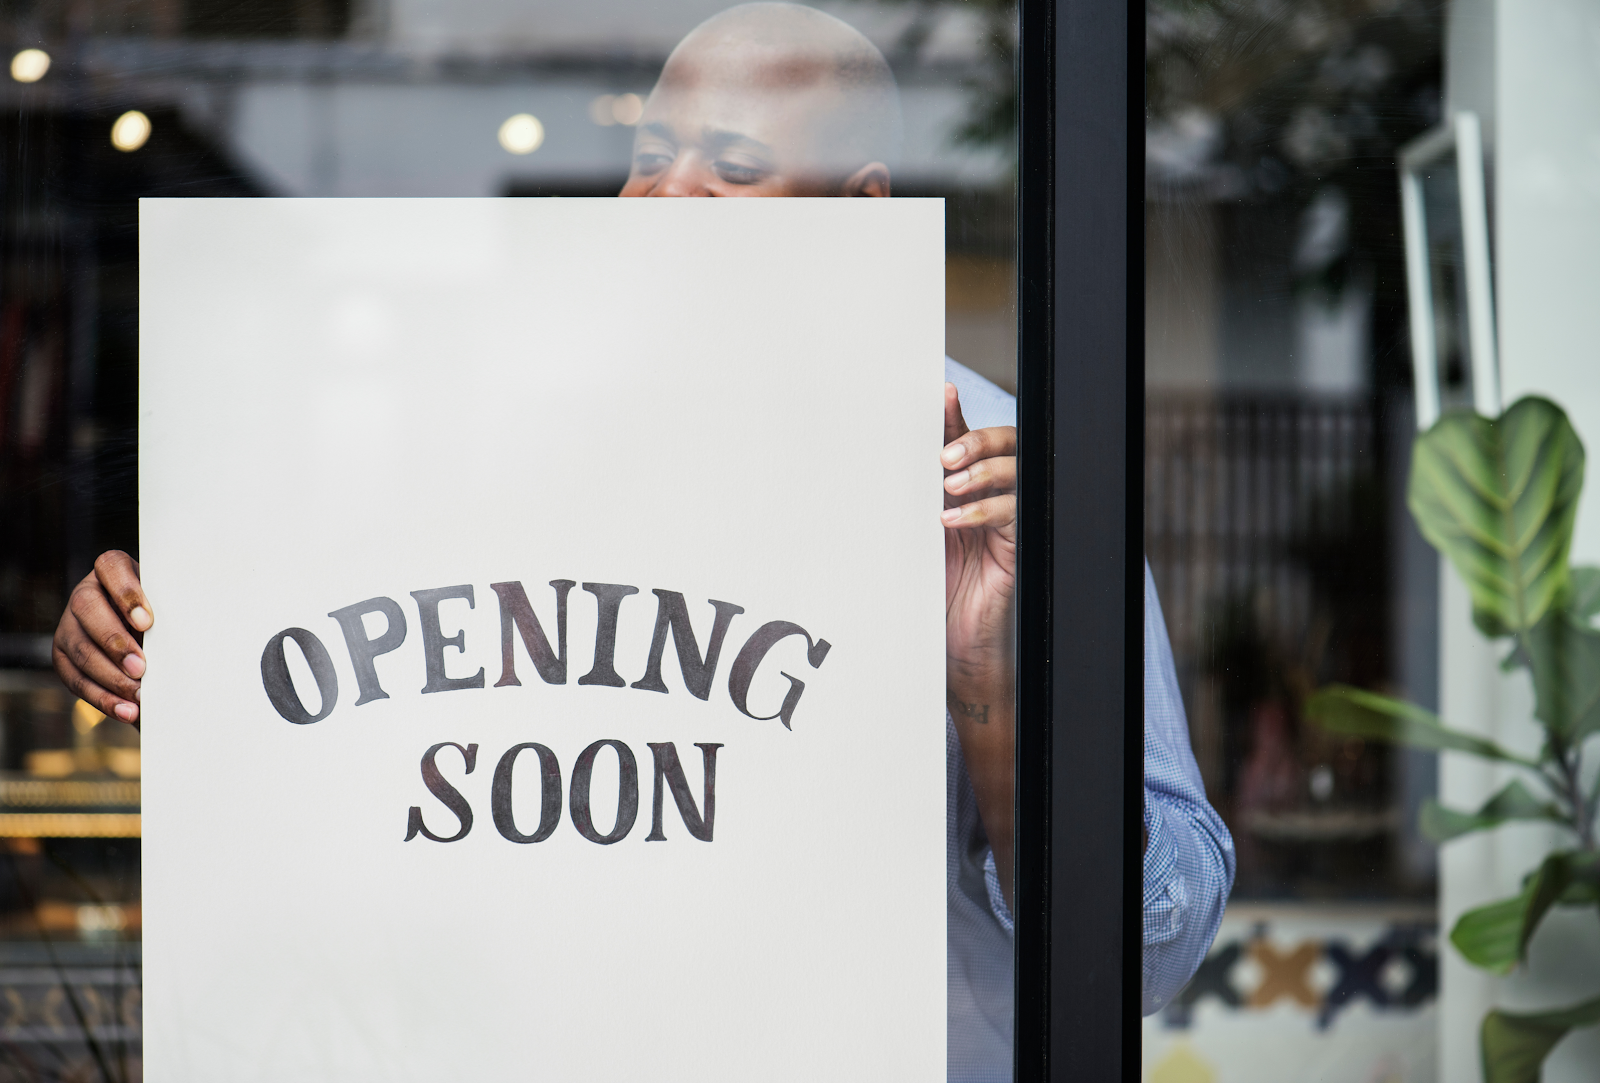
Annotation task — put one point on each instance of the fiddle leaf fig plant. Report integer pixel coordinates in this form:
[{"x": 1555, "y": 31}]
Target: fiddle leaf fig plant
[{"x": 1498, "y": 497}]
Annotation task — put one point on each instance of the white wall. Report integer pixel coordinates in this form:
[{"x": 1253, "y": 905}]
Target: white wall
[
  {"x": 1548, "y": 204},
  {"x": 1548, "y": 254},
  {"x": 1531, "y": 70}
]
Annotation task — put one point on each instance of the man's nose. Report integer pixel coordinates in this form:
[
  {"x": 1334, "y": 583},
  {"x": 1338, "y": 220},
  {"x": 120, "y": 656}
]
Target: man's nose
[{"x": 685, "y": 177}]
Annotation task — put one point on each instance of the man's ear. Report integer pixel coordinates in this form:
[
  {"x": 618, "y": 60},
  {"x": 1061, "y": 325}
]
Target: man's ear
[{"x": 871, "y": 179}]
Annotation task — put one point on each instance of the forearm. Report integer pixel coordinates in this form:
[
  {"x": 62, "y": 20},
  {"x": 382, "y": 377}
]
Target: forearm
[{"x": 985, "y": 716}]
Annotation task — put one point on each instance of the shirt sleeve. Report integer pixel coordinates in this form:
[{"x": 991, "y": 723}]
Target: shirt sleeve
[
  {"x": 1189, "y": 859},
  {"x": 997, "y": 898}
]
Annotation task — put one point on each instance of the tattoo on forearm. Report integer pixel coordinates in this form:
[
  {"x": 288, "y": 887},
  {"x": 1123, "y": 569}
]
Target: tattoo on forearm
[{"x": 978, "y": 712}]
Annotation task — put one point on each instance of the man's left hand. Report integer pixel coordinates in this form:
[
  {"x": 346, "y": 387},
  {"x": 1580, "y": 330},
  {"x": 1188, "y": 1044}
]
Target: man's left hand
[{"x": 980, "y": 548}]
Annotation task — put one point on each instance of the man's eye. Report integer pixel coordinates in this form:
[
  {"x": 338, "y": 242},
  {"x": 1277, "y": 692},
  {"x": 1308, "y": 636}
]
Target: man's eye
[
  {"x": 651, "y": 161},
  {"x": 734, "y": 173}
]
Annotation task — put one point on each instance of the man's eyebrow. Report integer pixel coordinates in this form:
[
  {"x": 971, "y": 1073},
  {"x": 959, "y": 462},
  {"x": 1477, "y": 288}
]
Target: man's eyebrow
[
  {"x": 720, "y": 140},
  {"x": 659, "y": 129}
]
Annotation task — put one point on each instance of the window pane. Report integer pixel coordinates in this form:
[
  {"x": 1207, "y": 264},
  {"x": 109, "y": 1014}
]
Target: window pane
[
  {"x": 1344, "y": 243},
  {"x": 108, "y": 103}
]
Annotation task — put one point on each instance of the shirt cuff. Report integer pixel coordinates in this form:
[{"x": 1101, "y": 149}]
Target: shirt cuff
[
  {"x": 997, "y": 898},
  {"x": 1166, "y": 899}
]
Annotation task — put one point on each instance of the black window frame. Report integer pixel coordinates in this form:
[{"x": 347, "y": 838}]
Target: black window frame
[{"x": 1080, "y": 658}]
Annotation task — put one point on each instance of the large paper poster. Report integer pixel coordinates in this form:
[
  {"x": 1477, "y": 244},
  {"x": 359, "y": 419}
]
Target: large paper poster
[{"x": 548, "y": 675}]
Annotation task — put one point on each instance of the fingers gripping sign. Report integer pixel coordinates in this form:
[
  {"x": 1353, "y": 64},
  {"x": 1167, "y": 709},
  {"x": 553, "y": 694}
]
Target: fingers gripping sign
[
  {"x": 980, "y": 519},
  {"x": 98, "y": 649}
]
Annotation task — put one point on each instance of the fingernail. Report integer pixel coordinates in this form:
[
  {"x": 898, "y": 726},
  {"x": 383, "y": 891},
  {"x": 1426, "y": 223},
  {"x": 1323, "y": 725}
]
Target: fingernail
[
  {"x": 133, "y": 665},
  {"x": 952, "y": 454},
  {"x": 956, "y": 481},
  {"x": 138, "y": 695},
  {"x": 139, "y": 618},
  {"x": 127, "y": 712},
  {"x": 951, "y": 515}
]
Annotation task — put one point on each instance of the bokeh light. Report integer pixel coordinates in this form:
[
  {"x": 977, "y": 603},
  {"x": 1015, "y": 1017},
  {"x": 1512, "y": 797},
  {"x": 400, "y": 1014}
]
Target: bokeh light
[
  {"x": 627, "y": 109},
  {"x": 130, "y": 131},
  {"x": 609, "y": 109},
  {"x": 30, "y": 65},
  {"x": 522, "y": 134}
]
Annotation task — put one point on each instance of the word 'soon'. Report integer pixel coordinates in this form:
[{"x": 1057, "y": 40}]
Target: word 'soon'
[{"x": 699, "y": 818}]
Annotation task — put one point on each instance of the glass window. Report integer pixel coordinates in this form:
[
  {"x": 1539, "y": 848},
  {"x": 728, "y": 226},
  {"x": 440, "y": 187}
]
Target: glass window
[
  {"x": 1306, "y": 314},
  {"x": 109, "y": 103}
]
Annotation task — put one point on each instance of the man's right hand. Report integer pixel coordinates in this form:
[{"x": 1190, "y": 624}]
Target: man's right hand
[{"x": 97, "y": 650}]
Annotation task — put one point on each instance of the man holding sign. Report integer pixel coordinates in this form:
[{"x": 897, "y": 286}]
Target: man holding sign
[{"x": 782, "y": 100}]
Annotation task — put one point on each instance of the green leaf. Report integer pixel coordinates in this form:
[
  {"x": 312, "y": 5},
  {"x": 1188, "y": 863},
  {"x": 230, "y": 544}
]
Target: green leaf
[
  {"x": 1514, "y": 802},
  {"x": 1585, "y": 602},
  {"x": 1564, "y": 657},
  {"x": 1487, "y": 937},
  {"x": 1498, "y": 497},
  {"x": 1585, "y": 887},
  {"x": 1347, "y": 710},
  {"x": 1580, "y": 895},
  {"x": 1495, "y": 937},
  {"x": 1547, "y": 886},
  {"x": 1515, "y": 1044}
]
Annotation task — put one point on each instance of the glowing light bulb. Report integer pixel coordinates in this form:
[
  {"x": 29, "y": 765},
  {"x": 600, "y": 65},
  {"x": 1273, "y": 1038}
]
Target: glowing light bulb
[
  {"x": 130, "y": 131},
  {"x": 600, "y": 110},
  {"x": 627, "y": 109},
  {"x": 522, "y": 134},
  {"x": 30, "y": 65}
]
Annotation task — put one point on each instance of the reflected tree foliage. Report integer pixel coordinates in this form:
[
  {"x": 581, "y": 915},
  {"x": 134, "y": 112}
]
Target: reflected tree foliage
[
  {"x": 990, "y": 119},
  {"x": 1305, "y": 102}
]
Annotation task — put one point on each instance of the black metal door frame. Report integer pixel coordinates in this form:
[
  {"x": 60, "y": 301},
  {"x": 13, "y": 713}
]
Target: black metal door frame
[{"x": 1080, "y": 719}]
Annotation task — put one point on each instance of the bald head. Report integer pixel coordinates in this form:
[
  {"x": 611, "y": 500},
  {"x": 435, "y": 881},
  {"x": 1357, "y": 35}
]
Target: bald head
[
  {"x": 766, "y": 96},
  {"x": 772, "y": 49}
]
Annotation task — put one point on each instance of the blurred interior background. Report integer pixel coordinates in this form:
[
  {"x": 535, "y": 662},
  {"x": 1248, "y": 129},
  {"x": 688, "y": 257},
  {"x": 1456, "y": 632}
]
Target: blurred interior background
[
  {"x": 1279, "y": 405},
  {"x": 106, "y": 102},
  {"x": 1280, "y": 411},
  {"x": 1278, "y": 428}
]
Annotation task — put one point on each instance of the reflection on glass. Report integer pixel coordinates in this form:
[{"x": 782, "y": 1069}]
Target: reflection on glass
[
  {"x": 30, "y": 65},
  {"x": 522, "y": 134},
  {"x": 1278, "y": 427},
  {"x": 130, "y": 131},
  {"x": 379, "y": 98}
]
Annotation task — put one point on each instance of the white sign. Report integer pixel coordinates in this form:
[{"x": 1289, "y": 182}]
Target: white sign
[{"x": 548, "y": 672}]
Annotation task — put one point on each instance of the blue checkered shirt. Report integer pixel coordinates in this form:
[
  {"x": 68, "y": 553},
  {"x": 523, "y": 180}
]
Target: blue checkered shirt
[{"x": 1188, "y": 863}]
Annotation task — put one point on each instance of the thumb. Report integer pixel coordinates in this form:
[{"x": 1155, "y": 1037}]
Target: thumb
[{"x": 955, "y": 426}]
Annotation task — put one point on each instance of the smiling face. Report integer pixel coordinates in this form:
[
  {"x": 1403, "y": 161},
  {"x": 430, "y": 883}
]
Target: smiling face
[{"x": 768, "y": 100}]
